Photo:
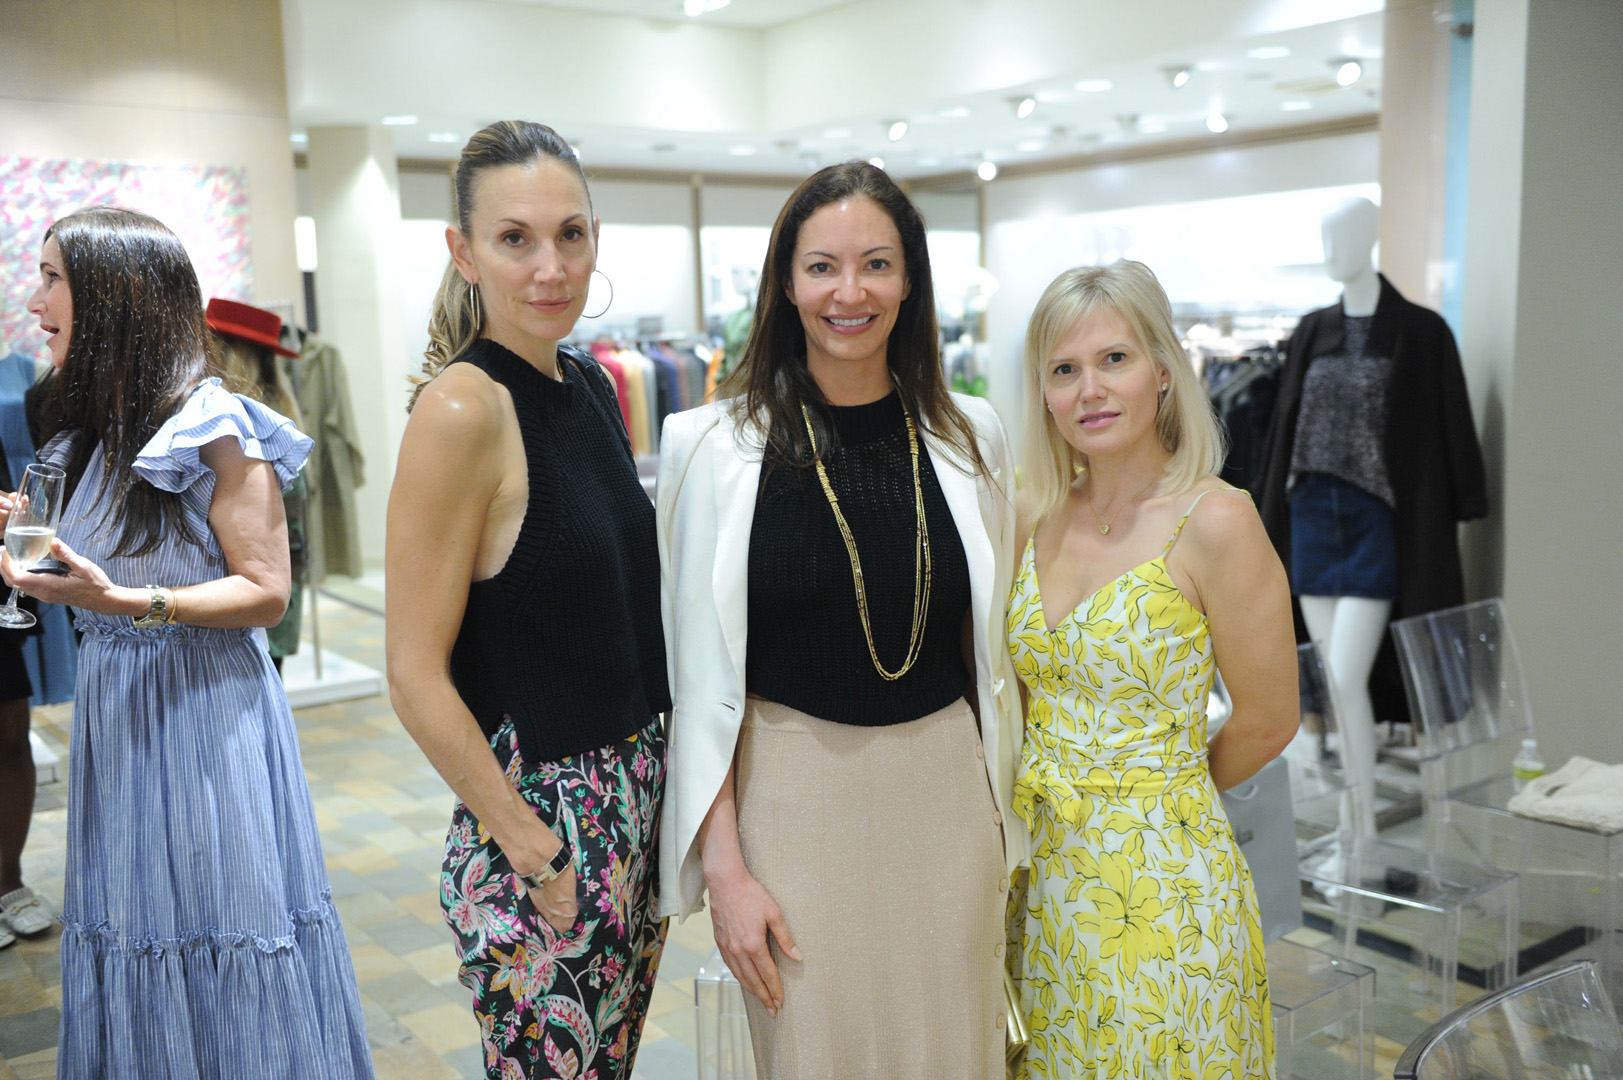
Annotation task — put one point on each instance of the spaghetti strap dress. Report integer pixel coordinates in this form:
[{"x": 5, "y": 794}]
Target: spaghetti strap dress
[
  {"x": 199, "y": 934},
  {"x": 1141, "y": 945}
]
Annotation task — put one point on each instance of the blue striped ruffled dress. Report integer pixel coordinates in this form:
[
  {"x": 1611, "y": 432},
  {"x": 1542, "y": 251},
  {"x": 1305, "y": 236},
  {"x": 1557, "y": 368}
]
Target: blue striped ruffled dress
[{"x": 200, "y": 938}]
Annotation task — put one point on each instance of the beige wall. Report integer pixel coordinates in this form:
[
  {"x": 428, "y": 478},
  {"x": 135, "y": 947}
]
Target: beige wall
[
  {"x": 1546, "y": 235},
  {"x": 159, "y": 81}
]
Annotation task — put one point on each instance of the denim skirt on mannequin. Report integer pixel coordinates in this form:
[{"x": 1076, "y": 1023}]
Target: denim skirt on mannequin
[{"x": 1342, "y": 540}]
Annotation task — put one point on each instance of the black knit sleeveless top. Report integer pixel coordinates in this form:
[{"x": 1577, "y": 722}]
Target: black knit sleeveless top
[
  {"x": 566, "y": 638},
  {"x": 807, "y": 649}
]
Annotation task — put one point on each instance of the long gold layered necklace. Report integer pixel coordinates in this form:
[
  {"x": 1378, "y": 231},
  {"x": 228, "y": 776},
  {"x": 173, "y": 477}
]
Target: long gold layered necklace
[{"x": 921, "y": 554}]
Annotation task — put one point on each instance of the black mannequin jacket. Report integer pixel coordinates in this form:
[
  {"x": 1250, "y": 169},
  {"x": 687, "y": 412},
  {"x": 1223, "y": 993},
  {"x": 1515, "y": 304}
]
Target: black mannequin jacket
[{"x": 1432, "y": 457}]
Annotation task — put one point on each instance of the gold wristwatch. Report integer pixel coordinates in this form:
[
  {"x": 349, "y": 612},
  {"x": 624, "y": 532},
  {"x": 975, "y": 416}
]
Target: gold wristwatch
[{"x": 159, "y": 614}]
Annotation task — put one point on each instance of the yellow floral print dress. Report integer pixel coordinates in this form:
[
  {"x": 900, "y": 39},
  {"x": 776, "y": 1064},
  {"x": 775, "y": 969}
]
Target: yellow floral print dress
[{"x": 1141, "y": 948}]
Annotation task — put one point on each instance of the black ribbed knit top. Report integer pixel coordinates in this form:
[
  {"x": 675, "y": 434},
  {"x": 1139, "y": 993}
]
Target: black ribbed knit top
[
  {"x": 806, "y": 646},
  {"x": 566, "y": 638}
]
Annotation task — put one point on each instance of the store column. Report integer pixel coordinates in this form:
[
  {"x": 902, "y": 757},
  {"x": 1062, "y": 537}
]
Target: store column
[
  {"x": 1414, "y": 121},
  {"x": 1543, "y": 343},
  {"x": 355, "y": 201}
]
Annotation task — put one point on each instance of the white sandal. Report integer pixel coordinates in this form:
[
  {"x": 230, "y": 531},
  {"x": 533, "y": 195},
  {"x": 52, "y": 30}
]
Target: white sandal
[{"x": 26, "y": 912}]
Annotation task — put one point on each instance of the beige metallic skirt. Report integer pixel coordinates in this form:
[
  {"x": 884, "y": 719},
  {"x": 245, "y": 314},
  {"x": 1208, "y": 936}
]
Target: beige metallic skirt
[{"x": 883, "y": 847}]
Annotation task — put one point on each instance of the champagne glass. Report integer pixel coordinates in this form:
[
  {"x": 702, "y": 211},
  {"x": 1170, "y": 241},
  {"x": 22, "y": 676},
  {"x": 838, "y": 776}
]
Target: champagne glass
[{"x": 30, "y": 530}]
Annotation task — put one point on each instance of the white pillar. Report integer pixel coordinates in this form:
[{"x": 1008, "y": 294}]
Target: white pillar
[
  {"x": 1414, "y": 138},
  {"x": 1543, "y": 328},
  {"x": 355, "y": 201}
]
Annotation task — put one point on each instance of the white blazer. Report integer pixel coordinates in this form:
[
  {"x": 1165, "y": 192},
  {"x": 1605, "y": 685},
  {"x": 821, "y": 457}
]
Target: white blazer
[{"x": 709, "y": 471}]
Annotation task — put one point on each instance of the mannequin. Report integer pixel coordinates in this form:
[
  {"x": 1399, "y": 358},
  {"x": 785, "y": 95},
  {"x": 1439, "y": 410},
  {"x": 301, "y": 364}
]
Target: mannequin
[
  {"x": 1349, "y": 629},
  {"x": 735, "y": 329},
  {"x": 1371, "y": 463}
]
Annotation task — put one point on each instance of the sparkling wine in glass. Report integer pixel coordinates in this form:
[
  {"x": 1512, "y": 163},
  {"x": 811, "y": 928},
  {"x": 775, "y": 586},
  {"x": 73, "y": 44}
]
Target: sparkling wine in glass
[{"x": 30, "y": 529}]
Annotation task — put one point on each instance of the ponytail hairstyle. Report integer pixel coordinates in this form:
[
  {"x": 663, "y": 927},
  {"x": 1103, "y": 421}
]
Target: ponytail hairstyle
[
  {"x": 137, "y": 349},
  {"x": 458, "y": 319}
]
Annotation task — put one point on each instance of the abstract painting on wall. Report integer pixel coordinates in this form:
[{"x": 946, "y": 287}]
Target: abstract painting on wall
[{"x": 205, "y": 205}]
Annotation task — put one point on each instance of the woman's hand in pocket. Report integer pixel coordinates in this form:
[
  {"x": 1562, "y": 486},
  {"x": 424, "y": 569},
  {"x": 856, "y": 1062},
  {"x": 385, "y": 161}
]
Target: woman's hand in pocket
[{"x": 556, "y": 901}]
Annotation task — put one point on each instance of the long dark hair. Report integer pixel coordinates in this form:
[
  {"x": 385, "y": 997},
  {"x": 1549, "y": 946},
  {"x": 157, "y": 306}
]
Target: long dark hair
[
  {"x": 137, "y": 348},
  {"x": 456, "y": 320},
  {"x": 772, "y": 381}
]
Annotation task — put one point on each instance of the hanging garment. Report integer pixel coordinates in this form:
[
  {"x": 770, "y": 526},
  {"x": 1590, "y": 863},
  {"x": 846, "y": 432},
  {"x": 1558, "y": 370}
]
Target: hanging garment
[
  {"x": 337, "y": 468},
  {"x": 1432, "y": 458},
  {"x": 51, "y": 652}
]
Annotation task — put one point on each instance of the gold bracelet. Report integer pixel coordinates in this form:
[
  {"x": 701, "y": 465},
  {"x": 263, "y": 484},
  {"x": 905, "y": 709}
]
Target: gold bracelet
[{"x": 171, "y": 614}]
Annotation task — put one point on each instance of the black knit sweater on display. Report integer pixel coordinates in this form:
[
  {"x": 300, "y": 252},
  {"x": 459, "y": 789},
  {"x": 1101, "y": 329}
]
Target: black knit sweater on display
[
  {"x": 806, "y": 646},
  {"x": 566, "y": 639}
]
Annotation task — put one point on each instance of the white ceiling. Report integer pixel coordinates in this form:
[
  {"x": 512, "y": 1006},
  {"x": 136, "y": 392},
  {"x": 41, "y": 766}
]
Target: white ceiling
[
  {"x": 756, "y": 14},
  {"x": 686, "y": 95}
]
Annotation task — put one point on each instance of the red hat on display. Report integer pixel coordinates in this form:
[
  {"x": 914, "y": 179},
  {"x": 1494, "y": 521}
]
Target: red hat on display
[{"x": 247, "y": 322}]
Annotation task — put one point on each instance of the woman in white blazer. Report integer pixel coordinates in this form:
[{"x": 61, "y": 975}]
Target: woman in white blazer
[{"x": 836, "y": 540}]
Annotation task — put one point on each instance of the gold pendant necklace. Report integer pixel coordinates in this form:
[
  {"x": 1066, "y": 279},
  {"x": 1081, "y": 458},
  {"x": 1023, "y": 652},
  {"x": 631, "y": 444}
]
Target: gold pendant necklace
[
  {"x": 1104, "y": 526},
  {"x": 921, "y": 554}
]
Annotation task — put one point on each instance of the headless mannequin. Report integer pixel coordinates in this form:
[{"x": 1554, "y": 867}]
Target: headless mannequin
[{"x": 1349, "y": 628}]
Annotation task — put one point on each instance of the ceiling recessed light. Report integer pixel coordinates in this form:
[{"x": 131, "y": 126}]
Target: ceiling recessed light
[
  {"x": 1094, "y": 86},
  {"x": 1024, "y": 107},
  {"x": 1030, "y": 146},
  {"x": 1177, "y": 75},
  {"x": 1295, "y": 105},
  {"x": 573, "y": 149},
  {"x": 877, "y": 162},
  {"x": 444, "y": 137},
  {"x": 836, "y": 133},
  {"x": 1268, "y": 52},
  {"x": 1348, "y": 72},
  {"x": 954, "y": 112},
  {"x": 1217, "y": 123},
  {"x": 741, "y": 151},
  {"x": 987, "y": 170},
  {"x": 898, "y": 128},
  {"x": 399, "y": 120},
  {"x": 299, "y": 137}
]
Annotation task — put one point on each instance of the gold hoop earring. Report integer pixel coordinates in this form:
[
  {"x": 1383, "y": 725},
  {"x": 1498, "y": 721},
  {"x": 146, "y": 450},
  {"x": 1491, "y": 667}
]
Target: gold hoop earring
[
  {"x": 478, "y": 309},
  {"x": 600, "y": 314}
]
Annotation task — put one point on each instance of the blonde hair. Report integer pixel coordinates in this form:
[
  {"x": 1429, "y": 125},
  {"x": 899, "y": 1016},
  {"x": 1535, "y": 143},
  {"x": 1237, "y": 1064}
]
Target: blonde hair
[
  {"x": 251, "y": 369},
  {"x": 1185, "y": 421},
  {"x": 457, "y": 319}
]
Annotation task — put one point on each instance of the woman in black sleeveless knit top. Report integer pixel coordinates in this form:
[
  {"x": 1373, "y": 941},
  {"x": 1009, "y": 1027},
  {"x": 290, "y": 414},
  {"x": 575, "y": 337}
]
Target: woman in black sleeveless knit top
[{"x": 526, "y": 655}]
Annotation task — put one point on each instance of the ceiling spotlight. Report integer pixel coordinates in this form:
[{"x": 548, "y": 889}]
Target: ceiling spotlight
[
  {"x": 1295, "y": 105},
  {"x": 444, "y": 137},
  {"x": 898, "y": 128},
  {"x": 399, "y": 120},
  {"x": 954, "y": 112},
  {"x": 299, "y": 138},
  {"x": 1178, "y": 76},
  {"x": 1024, "y": 107},
  {"x": 1094, "y": 86},
  {"x": 987, "y": 170},
  {"x": 1030, "y": 146},
  {"x": 1217, "y": 123},
  {"x": 877, "y": 162},
  {"x": 741, "y": 151},
  {"x": 1348, "y": 71},
  {"x": 1268, "y": 52},
  {"x": 573, "y": 149}
]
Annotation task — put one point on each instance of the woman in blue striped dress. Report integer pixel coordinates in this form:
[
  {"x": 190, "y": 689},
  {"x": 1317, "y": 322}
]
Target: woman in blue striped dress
[{"x": 200, "y": 938}]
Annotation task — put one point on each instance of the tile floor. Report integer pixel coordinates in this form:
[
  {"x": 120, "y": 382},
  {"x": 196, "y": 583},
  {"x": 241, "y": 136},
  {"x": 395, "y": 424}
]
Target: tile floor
[{"x": 382, "y": 811}]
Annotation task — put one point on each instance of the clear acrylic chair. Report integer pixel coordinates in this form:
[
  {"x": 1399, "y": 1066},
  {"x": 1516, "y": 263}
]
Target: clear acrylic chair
[
  {"x": 1418, "y": 907},
  {"x": 1557, "y": 1024},
  {"x": 1321, "y": 1002},
  {"x": 1468, "y": 699},
  {"x": 725, "y": 1050}
]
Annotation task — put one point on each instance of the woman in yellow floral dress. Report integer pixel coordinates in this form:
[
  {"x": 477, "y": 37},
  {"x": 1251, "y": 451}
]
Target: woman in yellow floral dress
[{"x": 1142, "y": 952}]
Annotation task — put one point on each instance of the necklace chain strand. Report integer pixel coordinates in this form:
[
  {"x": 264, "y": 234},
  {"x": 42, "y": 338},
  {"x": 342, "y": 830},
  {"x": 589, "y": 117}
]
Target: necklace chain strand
[
  {"x": 921, "y": 555},
  {"x": 1104, "y": 526}
]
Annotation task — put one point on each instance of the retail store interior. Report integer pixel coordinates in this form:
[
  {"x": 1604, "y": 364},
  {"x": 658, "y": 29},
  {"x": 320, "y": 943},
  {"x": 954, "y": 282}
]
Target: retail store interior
[{"x": 303, "y": 151}]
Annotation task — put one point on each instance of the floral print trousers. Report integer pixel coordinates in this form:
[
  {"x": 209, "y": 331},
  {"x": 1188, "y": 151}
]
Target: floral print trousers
[{"x": 564, "y": 1006}]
